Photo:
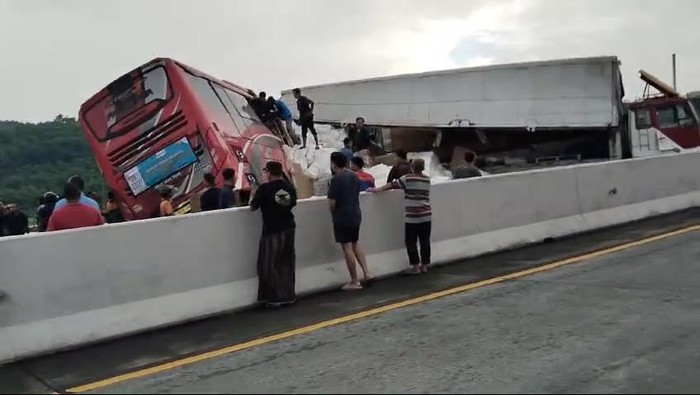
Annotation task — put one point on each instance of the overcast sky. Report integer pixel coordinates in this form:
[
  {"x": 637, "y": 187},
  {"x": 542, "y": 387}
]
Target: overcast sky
[{"x": 54, "y": 54}]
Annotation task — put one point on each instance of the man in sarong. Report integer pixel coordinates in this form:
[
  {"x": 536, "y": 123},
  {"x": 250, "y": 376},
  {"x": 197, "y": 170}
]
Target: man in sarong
[{"x": 276, "y": 254}]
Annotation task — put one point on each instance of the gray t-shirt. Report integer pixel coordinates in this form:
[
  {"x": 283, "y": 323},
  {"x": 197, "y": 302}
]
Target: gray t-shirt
[
  {"x": 466, "y": 171},
  {"x": 345, "y": 190}
]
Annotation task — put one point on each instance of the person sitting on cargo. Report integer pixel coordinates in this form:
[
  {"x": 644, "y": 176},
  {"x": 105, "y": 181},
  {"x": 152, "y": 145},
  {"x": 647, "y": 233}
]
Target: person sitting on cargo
[
  {"x": 401, "y": 168},
  {"x": 347, "y": 148},
  {"x": 357, "y": 165},
  {"x": 360, "y": 135},
  {"x": 209, "y": 200},
  {"x": 229, "y": 197},
  {"x": 306, "y": 117},
  {"x": 80, "y": 184},
  {"x": 74, "y": 214},
  {"x": 166, "y": 202},
  {"x": 468, "y": 169}
]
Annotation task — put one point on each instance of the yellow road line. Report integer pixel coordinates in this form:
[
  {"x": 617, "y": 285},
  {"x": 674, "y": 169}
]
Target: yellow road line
[{"x": 368, "y": 313}]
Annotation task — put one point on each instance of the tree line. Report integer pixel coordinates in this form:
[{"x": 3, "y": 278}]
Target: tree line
[{"x": 39, "y": 157}]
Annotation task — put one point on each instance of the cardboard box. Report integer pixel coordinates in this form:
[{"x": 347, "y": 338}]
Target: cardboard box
[
  {"x": 412, "y": 140},
  {"x": 388, "y": 159},
  {"x": 303, "y": 183}
]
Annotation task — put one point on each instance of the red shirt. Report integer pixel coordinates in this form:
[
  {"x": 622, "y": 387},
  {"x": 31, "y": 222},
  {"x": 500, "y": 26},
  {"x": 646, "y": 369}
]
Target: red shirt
[
  {"x": 366, "y": 180},
  {"x": 74, "y": 216}
]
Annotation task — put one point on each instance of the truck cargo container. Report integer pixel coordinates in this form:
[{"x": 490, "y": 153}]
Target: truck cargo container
[{"x": 535, "y": 110}]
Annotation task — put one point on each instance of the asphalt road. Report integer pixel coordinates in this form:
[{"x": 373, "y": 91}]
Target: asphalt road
[
  {"x": 621, "y": 323},
  {"x": 624, "y": 322}
]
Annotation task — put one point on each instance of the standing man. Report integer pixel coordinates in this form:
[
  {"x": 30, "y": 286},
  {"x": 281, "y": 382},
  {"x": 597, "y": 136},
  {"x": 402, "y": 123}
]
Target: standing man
[
  {"x": 344, "y": 204},
  {"x": 74, "y": 214},
  {"x": 400, "y": 169},
  {"x": 44, "y": 213},
  {"x": 306, "y": 116},
  {"x": 229, "y": 197},
  {"x": 15, "y": 221},
  {"x": 362, "y": 139},
  {"x": 276, "y": 254},
  {"x": 416, "y": 187},
  {"x": 347, "y": 148},
  {"x": 79, "y": 183},
  {"x": 209, "y": 200}
]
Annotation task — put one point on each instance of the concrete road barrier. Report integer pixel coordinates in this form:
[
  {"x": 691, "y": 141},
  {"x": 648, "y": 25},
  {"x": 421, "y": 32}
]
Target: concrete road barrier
[{"x": 75, "y": 287}]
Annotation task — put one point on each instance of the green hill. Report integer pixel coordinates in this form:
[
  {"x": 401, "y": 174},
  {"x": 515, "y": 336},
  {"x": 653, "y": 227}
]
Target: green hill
[{"x": 36, "y": 158}]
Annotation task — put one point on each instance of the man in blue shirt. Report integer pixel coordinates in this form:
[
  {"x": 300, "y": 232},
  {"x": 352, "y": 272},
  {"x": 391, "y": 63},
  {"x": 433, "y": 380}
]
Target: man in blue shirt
[
  {"x": 80, "y": 184},
  {"x": 347, "y": 148},
  {"x": 286, "y": 115}
]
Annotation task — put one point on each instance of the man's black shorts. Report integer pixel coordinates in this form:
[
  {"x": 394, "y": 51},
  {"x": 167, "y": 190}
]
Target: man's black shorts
[{"x": 346, "y": 234}]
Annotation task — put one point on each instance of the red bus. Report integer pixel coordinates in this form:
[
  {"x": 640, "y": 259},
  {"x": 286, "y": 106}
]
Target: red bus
[{"x": 167, "y": 124}]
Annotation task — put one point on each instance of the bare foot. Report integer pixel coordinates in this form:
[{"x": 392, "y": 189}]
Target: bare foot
[{"x": 413, "y": 270}]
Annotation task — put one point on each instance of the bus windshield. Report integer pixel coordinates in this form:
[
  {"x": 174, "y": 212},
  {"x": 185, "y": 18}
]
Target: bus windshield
[{"x": 129, "y": 102}]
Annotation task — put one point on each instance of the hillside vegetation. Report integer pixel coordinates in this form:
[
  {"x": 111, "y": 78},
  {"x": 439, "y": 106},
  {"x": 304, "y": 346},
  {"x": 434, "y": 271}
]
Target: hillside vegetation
[{"x": 36, "y": 158}]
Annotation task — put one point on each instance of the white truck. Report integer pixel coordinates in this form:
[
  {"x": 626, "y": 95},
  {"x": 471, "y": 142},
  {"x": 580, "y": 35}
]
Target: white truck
[{"x": 535, "y": 110}]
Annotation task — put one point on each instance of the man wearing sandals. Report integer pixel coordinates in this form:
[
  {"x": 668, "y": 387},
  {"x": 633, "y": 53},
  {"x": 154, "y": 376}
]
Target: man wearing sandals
[
  {"x": 344, "y": 204},
  {"x": 416, "y": 187}
]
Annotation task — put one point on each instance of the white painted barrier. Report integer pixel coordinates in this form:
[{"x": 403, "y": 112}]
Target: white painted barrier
[{"x": 75, "y": 287}]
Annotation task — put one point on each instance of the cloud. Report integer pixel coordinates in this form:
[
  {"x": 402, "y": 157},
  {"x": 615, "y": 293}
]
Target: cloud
[{"x": 57, "y": 54}]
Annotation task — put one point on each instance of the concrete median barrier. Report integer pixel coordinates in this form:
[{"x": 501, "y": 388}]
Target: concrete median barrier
[{"x": 76, "y": 287}]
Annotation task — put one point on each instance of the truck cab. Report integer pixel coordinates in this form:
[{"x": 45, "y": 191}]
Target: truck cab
[{"x": 664, "y": 123}]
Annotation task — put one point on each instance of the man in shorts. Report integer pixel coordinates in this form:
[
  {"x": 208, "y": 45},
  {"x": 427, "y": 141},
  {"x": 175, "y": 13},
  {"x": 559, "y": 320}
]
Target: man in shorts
[{"x": 344, "y": 204}]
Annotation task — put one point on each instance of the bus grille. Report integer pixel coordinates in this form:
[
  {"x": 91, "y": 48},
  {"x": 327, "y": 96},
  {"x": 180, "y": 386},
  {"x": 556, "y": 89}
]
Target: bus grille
[{"x": 141, "y": 145}]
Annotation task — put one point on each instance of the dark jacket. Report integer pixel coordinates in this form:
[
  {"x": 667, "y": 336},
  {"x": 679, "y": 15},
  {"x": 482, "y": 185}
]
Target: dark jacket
[
  {"x": 399, "y": 170},
  {"x": 15, "y": 223},
  {"x": 361, "y": 138},
  {"x": 42, "y": 216},
  {"x": 305, "y": 107}
]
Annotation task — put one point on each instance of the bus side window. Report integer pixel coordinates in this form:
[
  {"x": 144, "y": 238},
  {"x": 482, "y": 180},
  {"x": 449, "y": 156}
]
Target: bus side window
[{"x": 205, "y": 92}]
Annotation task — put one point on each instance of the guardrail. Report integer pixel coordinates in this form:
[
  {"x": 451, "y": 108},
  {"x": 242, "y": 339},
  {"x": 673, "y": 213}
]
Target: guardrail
[{"x": 75, "y": 287}]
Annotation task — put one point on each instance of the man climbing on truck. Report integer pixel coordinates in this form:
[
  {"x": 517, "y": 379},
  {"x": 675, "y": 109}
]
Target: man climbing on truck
[{"x": 306, "y": 117}]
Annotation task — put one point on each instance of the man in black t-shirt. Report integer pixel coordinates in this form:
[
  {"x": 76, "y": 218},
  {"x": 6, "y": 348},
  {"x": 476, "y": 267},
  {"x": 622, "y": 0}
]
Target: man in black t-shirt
[
  {"x": 360, "y": 135},
  {"x": 306, "y": 116},
  {"x": 276, "y": 253},
  {"x": 400, "y": 169},
  {"x": 209, "y": 201},
  {"x": 344, "y": 203}
]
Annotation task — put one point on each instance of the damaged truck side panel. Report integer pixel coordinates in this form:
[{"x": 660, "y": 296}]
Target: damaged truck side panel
[{"x": 535, "y": 110}]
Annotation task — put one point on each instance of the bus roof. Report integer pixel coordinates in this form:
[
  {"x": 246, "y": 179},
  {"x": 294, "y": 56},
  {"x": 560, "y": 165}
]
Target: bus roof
[{"x": 163, "y": 62}]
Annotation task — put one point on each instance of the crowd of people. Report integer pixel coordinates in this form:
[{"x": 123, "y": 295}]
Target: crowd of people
[{"x": 14, "y": 222}]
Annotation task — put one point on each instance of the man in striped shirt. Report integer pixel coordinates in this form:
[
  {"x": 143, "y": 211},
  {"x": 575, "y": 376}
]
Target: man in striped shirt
[{"x": 416, "y": 187}]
